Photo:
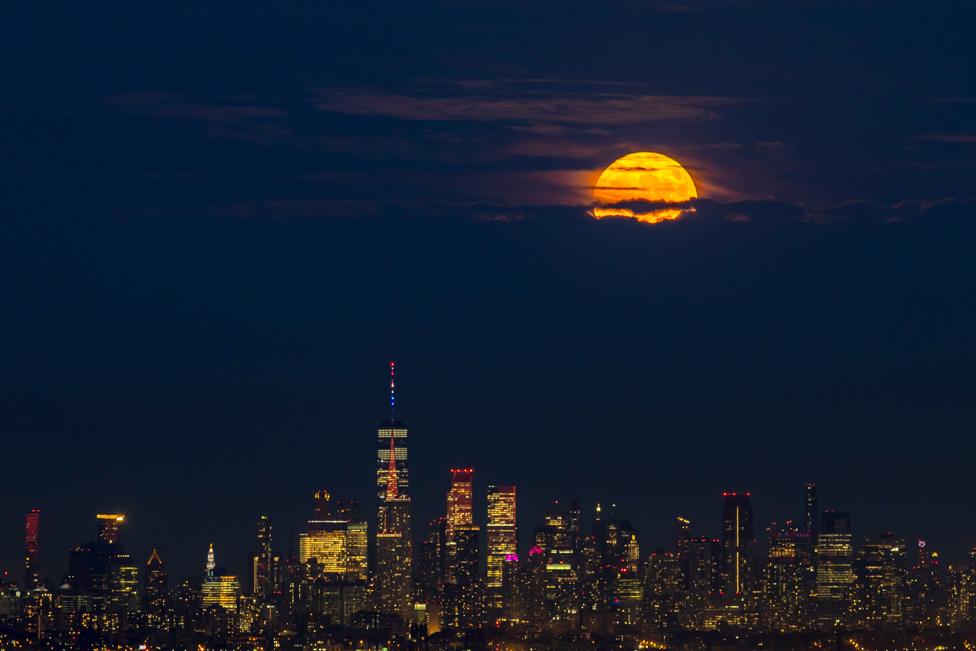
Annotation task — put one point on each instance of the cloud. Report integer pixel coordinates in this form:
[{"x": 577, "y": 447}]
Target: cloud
[
  {"x": 964, "y": 138},
  {"x": 530, "y": 106},
  {"x": 175, "y": 105},
  {"x": 231, "y": 117},
  {"x": 758, "y": 212}
]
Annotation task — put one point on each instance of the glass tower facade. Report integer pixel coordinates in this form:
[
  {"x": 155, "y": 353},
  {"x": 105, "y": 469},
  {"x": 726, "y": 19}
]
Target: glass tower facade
[{"x": 502, "y": 531}]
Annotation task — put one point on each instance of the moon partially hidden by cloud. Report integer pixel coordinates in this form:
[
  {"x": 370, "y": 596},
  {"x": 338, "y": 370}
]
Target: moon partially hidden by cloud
[{"x": 643, "y": 176}]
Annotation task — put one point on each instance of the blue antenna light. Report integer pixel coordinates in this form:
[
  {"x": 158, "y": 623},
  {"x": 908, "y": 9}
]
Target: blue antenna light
[{"x": 393, "y": 390}]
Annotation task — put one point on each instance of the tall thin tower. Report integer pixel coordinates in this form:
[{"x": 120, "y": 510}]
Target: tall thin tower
[
  {"x": 32, "y": 549},
  {"x": 394, "y": 545},
  {"x": 391, "y": 444},
  {"x": 737, "y": 542},
  {"x": 811, "y": 517}
]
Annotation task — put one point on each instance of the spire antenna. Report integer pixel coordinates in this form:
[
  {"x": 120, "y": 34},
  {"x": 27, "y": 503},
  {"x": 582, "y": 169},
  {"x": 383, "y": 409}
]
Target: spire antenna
[
  {"x": 392, "y": 390},
  {"x": 211, "y": 561}
]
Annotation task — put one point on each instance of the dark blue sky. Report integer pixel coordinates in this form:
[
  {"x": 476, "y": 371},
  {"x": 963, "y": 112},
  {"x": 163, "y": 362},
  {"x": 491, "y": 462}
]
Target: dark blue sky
[{"x": 220, "y": 222}]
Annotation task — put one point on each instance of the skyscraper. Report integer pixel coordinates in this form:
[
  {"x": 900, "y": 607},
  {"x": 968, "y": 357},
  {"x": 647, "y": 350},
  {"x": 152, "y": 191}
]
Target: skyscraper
[
  {"x": 880, "y": 582},
  {"x": 335, "y": 539},
  {"x": 391, "y": 428},
  {"x": 32, "y": 549},
  {"x": 155, "y": 590},
  {"x": 785, "y": 584},
  {"x": 737, "y": 542},
  {"x": 459, "y": 500},
  {"x": 463, "y": 598},
  {"x": 218, "y": 588},
  {"x": 502, "y": 538},
  {"x": 394, "y": 547},
  {"x": 810, "y": 514},
  {"x": 265, "y": 565},
  {"x": 835, "y": 571},
  {"x": 464, "y": 595},
  {"x": 556, "y": 539},
  {"x": 110, "y": 527},
  {"x": 431, "y": 570}
]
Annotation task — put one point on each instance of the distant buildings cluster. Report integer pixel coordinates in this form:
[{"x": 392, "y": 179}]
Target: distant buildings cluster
[{"x": 577, "y": 586}]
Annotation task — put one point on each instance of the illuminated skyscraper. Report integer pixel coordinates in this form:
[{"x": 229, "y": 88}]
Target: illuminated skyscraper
[
  {"x": 32, "y": 549},
  {"x": 463, "y": 594},
  {"x": 104, "y": 572},
  {"x": 394, "y": 548},
  {"x": 464, "y": 603},
  {"x": 265, "y": 564},
  {"x": 556, "y": 539},
  {"x": 218, "y": 587},
  {"x": 123, "y": 594},
  {"x": 737, "y": 543},
  {"x": 810, "y": 513},
  {"x": 628, "y": 587},
  {"x": 835, "y": 571},
  {"x": 155, "y": 588},
  {"x": 110, "y": 527},
  {"x": 502, "y": 537},
  {"x": 929, "y": 588},
  {"x": 704, "y": 559},
  {"x": 663, "y": 588},
  {"x": 392, "y": 428},
  {"x": 880, "y": 582},
  {"x": 459, "y": 500},
  {"x": 335, "y": 539},
  {"x": 431, "y": 570},
  {"x": 785, "y": 578}
]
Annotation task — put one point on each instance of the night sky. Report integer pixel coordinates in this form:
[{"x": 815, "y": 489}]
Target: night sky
[{"x": 220, "y": 222}]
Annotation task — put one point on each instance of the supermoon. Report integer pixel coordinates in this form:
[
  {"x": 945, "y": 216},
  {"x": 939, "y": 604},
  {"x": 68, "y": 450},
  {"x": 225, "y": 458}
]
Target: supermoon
[{"x": 643, "y": 176}]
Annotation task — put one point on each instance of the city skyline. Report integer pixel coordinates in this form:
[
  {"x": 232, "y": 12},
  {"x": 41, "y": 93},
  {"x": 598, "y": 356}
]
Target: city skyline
[
  {"x": 503, "y": 325},
  {"x": 470, "y": 511},
  {"x": 585, "y": 577}
]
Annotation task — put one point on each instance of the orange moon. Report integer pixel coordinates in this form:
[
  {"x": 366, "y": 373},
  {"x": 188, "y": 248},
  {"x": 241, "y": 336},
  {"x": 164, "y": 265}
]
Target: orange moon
[{"x": 643, "y": 176}]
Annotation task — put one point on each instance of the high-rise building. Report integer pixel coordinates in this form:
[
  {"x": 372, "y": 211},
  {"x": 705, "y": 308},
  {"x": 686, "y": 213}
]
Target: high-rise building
[
  {"x": 218, "y": 588},
  {"x": 335, "y": 540},
  {"x": 110, "y": 527},
  {"x": 557, "y": 541},
  {"x": 929, "y": 588},
  {"x": 663, "y": 587},
  {"x": 460, "y": 511},
  {"x": 265, "y": 564},
  {"x": 880, "y": 582},
  {"x": 704, "y": 561},
  {"x": 785, "y": 579},
  {"x": 463, "y": 593},
  {"x": 394, "y": 547},
  {"x": 32, "y": 549},
  {"x": 123, "y": 596},
  {"x": 432, "y": 565},
  {"x": 738, "y": 543},
  {"x": 464, "y": 599},
  {"x": 357, "y": 551},
  {"x": 103, "y": 572},
  {"x": 502, "y": 534},
  {"x": 628, "y": 587},
  {"x": 391, "y": 428},
  {"x": 600, "y": 554},
  {"x": 155, "y": 587},
  {"x": 835, "y": 570},
  {"x": 811, "y": 516}
]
